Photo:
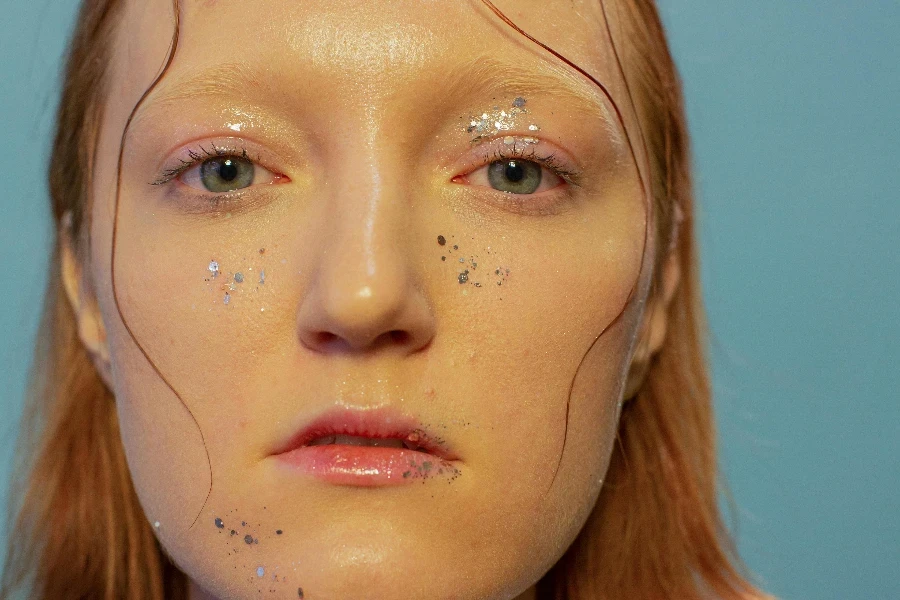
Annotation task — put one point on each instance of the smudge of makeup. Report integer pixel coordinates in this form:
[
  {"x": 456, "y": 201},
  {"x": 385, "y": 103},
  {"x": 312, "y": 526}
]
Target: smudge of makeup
[{"x": 429, "y": 469}]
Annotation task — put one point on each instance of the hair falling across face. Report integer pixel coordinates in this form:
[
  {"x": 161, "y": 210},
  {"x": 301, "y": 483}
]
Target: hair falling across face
[{"x": 371, "y": 276}]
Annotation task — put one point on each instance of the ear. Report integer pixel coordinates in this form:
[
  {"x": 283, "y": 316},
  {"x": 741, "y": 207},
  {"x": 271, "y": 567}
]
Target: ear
[
  {"x": 654, "y": 325},
  {"x": 88, "y": 321}
]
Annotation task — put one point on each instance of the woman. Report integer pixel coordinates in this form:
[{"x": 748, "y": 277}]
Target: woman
[{"x": 371, "y": 300}]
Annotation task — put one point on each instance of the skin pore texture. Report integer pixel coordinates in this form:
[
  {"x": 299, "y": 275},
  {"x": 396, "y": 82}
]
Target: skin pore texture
[{"x": 370, "y": 264}]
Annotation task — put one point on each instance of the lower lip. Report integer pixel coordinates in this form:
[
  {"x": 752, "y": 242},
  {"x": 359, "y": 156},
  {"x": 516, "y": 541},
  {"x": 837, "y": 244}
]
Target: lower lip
[{"x": 367, "y": 466}]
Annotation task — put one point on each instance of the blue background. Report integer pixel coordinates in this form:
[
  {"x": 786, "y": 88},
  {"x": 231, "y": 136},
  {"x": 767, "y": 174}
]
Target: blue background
[{"x": 794, "y": 112}]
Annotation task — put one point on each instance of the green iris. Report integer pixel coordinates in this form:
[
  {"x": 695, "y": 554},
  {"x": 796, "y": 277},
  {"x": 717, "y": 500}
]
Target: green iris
[
  {"x": 515, "y": 176},
  {"x": 226, "y": 173}
]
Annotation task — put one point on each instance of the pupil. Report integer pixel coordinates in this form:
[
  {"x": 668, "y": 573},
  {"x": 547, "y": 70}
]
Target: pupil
[
  {"x": 228, "y": 170},
  {"x": 514, "y": 172}
]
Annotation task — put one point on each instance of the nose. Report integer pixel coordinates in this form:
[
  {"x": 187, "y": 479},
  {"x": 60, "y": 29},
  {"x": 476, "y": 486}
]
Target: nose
[{"x": 364, "y": 294}]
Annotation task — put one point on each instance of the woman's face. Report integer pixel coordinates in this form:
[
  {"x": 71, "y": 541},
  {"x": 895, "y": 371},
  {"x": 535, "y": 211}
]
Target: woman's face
[{"x": 372, "y": 293}]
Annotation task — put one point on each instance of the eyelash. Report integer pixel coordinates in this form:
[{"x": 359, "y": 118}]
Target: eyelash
[
  {"x": 550, "y": 161},
  {"x": 505, "y": 152},
  {"x": 196, "y": 158}
]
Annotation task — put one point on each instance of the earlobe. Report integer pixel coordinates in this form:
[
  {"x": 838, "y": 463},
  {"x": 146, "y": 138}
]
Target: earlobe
[
  {"x": 91, "y": 330},
  {"x": 654, "y": 325}
]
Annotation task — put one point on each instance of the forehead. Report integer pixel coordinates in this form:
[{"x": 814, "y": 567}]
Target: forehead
[{"x": 379, "y": 47}]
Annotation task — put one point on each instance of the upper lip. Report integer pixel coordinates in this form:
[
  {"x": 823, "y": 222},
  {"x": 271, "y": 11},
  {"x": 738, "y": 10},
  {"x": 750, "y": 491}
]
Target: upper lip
[{"x": 376, "y": 423}]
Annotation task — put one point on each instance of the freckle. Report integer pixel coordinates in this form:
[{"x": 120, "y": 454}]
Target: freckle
[
  {"x": 262, "y": 250},
  {"x": 455, "y": 247},
  {"x": 443, "y": 258},
  {"x": 300, "y": 593},
  {"x": 441, "y": 240},
  {"x": 278, "y": 532}
]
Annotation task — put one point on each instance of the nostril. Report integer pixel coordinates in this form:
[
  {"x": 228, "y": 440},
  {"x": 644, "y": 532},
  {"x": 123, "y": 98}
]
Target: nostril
[
  {"x": 398, "y": 336},
  {"x": 324, "y": 338}
]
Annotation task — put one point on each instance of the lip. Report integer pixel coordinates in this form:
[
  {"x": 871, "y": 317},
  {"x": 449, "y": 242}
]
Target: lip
[{"x": 367, "y": 466}]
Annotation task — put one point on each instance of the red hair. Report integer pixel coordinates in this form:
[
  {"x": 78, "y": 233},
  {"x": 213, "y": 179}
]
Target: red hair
[{"x": 655, "y": 531}]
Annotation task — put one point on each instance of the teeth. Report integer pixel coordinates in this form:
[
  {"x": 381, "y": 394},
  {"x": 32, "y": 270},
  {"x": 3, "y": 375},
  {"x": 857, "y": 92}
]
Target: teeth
[{"x": 353, "y": 440}]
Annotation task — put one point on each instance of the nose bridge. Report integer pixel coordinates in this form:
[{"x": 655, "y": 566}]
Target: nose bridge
[
  {"x": 364, "y": 291},
  {"x": 366, "y": 204}
]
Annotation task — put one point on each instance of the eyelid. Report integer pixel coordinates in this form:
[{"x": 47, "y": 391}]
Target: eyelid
[
  {"x": 539, "y": 151},
  {"x": 195, "y": 153}
]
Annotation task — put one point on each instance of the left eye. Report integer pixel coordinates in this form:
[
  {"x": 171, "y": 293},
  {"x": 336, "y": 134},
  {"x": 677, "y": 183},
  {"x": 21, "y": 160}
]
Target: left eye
[
  {"x": 226, "y": 174},
  {"x": 515, "y": 176}
]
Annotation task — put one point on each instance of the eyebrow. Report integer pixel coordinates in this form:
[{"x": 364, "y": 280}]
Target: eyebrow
[
  {"x": 489, "y": 76},
  {"x": 496, "y": 78}
]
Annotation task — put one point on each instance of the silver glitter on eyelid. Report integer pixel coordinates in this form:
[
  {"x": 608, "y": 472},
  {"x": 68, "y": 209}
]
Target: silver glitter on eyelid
[
  {"x": 496, "y": 121},
  {"x": 214, "y": 268},
  {"x": 262, "y": 277},
  {"x": 239, "y": 277}
]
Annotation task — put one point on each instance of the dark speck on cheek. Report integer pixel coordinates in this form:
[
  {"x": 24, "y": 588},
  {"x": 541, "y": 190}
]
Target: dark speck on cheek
[
  {"x": 300, "y": 592},
  {"x": 248, "y": 539},
  {"x": 442, "y": 240},
  {"x": 219, "y": 523}
]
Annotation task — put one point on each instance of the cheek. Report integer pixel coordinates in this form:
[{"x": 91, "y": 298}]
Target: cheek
[{"x": 516, "y": 377}]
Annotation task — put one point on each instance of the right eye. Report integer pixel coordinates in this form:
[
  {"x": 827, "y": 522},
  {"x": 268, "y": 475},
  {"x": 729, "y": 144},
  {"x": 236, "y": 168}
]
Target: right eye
[{"x": 226, "y": 173}]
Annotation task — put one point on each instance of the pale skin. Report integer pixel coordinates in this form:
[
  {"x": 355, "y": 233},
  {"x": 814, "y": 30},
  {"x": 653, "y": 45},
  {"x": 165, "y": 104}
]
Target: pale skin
[{"x": 356, "y": 117}]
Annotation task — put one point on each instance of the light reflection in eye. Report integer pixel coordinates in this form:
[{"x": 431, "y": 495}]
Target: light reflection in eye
[{"x": 221, "y": 174}]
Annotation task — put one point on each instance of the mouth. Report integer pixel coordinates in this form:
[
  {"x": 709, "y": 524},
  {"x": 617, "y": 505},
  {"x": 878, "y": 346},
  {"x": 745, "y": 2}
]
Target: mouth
[{"x": 367, "y": 448}]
